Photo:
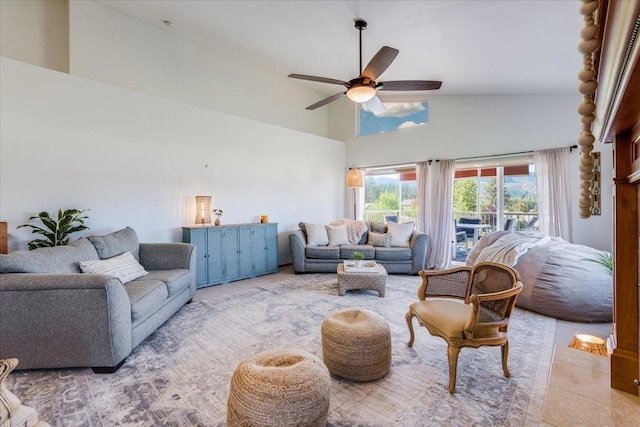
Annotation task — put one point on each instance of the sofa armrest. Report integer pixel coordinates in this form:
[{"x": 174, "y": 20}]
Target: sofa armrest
[
  {"x": 168, "y": 256},
  {"x": 297, "y": 242},
  {"x": 418, "y": 245},
  {"x": 64, "y": 320}
]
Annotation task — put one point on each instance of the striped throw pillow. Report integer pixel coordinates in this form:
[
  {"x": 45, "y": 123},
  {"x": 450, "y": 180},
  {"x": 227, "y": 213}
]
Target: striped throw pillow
[{"x": 123, "y": 267}]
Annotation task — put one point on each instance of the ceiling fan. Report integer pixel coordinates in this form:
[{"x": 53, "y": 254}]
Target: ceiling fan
[{"x": 363, "y": 89}]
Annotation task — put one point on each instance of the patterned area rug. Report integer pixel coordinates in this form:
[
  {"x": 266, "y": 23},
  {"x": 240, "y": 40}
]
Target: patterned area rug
[{"x": 180, "y": 375}]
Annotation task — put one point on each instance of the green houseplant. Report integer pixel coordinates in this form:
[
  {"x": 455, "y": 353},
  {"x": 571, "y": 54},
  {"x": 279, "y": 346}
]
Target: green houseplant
[
  {"x": 357, "y": 257},
  {"x": 605, "y": 259},
  {"x": 56, "y": 232}
]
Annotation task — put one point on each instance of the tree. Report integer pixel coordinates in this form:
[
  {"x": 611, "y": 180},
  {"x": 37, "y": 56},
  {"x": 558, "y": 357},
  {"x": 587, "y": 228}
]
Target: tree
[
  {"x": 465, "y": 193},
  {"x": 387, "y": 201}
]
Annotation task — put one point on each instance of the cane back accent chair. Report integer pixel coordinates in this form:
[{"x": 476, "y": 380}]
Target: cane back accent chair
[{"x": 467, "y": 307}]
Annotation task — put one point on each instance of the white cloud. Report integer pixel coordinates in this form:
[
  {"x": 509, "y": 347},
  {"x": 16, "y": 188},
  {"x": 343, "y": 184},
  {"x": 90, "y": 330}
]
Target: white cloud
[{"x": 408, "y": 124}]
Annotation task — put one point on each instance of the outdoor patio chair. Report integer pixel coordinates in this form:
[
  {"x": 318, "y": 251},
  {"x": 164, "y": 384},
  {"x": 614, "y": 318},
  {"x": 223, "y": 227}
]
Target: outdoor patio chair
[{"x": 391, "y": 218}]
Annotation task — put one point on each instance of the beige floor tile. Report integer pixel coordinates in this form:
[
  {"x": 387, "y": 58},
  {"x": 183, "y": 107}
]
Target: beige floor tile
[
  {"x": 564, "y": 408},
  {"x": 581, "y": 358}
]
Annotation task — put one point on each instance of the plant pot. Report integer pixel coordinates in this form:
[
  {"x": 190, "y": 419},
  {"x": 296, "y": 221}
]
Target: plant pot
[{"x": 358, "y": 263}]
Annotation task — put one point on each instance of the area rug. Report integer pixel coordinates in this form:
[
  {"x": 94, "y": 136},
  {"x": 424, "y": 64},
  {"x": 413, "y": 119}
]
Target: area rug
[{"x": 180, "y": 375}]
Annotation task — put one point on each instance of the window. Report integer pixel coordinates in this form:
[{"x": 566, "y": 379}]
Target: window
[
  {"x": 391, "y": 192},
  {"x": 476, "y": 191},
  {"x": 397, "y": 115}
]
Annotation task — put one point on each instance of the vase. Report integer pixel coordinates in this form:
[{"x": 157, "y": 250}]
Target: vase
[{"x": 217, "y": 222}]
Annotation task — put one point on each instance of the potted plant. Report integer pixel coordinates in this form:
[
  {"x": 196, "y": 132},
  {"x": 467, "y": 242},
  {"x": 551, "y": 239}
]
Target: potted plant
[
  {"x": 357, "y": 257},
  {"x": 605, "y": 259},
  {"x": 56, "y": 233},
  {"x": 218, "y": 213}
]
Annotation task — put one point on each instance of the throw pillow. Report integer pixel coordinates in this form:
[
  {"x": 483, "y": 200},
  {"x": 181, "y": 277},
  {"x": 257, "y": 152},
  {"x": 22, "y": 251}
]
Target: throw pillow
[
  {"x": 116, "y": 243},
  {"x": 317, "y": 234},
  {"x": 338, "y": 235},
  {"x": 123, "y": 267},
  {"x": 378, "y": 227},
  {"x": 380, "y": 240},
  {"x": 400, "y": 233}
]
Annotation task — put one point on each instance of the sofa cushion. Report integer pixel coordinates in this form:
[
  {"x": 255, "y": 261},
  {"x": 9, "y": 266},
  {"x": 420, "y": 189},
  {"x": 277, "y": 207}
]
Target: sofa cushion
[
  {"x": 377, "y": 227},
  {"x": 176, "y": 280},
  {"x": 400, "y": 233},
  {"x": 322, "y": 252},
  {"x": 382, "y": 240},
  {"x": 347, "y": 250},
  {"x": 146, "y": 297},
  {"x": 393, "y": 254},
  {"x": 55, "y": 260},
  {"x": 116, "y": 243},
  {"x": 337, "y": 235},
  {"x": 365, "y": 238},
  {"x": 124, "y": 267},
  {"x": 317, "y": 234}
]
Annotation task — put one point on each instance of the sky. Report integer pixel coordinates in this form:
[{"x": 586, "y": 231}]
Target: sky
[{"x": 397, "y": 115}]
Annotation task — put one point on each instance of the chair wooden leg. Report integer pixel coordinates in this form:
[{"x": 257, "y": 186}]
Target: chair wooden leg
[
  {"x": 409, "y": 318},
  {"x": 453, "y": 353},
  {"x": 505, "y": 355}
]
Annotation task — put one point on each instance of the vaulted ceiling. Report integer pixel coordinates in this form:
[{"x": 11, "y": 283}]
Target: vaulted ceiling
[{"x": 474, "y": 47}]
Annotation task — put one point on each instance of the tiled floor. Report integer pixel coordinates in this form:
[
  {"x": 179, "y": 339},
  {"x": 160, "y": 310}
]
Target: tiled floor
[{"x": 578, "y": 392}]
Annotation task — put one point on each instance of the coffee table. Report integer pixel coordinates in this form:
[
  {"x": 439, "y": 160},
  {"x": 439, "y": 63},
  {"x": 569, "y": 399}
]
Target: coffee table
[{"x": 373, "y": 278}]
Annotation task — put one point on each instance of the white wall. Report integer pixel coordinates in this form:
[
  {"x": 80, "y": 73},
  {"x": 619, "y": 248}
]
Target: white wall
[
  {"x": 112, "y": 47},
  {"x": 36, "y": 31},
  {"x": 139, "y": 160},
  {"x": 480, "y": 125}
]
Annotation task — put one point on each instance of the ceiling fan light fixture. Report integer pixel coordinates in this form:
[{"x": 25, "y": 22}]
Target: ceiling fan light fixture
[{"x": 361, "y": 93}]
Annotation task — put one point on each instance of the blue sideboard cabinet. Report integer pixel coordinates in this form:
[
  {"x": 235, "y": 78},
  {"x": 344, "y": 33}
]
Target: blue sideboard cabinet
[{"x": 233, "y": 252}]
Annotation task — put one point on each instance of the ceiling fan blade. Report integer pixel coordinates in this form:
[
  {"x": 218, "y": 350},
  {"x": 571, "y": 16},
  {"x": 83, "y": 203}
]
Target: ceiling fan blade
[
  {"x": 380, "y": 62},
  {"x": 325, "y": 101},
  {"x": 375, "y": 105},
  {"x": 318, "y": 79},
  {"x": 410, "y": 85}
]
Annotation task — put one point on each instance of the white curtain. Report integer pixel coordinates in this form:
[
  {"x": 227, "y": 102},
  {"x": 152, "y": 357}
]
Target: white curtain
[
  {"x": 552, "y": 182},
  {"x": 441, "y": 216},
  {"x": 356, "y": 194},
  {"x": 422, "y": 176},
  {"x": 435, "y": 210}
]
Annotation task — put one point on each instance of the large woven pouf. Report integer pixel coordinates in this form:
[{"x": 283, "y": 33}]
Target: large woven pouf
[
  {"x": 356, "y": 344},
  {"x": 281, "y": 387}
]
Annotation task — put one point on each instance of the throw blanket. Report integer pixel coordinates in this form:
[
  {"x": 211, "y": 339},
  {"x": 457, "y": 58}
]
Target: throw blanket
[
  {"x": 508, "y": 248},
  {"x": 355, "y": 229}
]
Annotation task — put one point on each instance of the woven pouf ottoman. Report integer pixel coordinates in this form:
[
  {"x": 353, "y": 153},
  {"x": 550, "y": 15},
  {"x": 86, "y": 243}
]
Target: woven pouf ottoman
[
  {"x": 356, "y": 344},
  {"x": 281, "y": 387}
]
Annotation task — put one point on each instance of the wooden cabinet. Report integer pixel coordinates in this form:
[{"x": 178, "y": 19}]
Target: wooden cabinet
[
  {"x": 618, "y": 121},
  {"x": 233, "y": 252}
]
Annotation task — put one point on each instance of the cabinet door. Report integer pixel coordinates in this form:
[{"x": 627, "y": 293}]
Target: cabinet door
[
  {"x": 199, "y": 239},
  {"x": 231, "y": 253},
  {"x": 272, "y": 248},
  {"x": 245, "y": 254},
  {"x": 215, "y": 258},
  {"x": 260, "y": 249}
]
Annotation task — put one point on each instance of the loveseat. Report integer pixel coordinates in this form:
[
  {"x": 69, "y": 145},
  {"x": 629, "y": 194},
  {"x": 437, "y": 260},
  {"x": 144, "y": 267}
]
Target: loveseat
[
  {"x": 55, "y": 316},
  {"x": 398, "y": 247}
]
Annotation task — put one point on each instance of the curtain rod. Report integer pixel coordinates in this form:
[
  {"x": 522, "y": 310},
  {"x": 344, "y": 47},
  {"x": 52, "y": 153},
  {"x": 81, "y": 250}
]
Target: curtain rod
[{"x": 571, "y": 148}]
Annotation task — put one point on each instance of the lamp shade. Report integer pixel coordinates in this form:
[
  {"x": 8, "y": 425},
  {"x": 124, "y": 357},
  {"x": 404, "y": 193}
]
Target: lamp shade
[
  {"x": 361, "y": 93},
  {"x": 355, "y": 178},
  {"x": 203, "y": 209}
]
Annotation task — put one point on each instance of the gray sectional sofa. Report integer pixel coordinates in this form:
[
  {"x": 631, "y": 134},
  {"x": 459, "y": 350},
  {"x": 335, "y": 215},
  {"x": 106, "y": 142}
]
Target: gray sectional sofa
[
  {"x": 308, "y": 258},
  {"x": 54, "y": 316}
]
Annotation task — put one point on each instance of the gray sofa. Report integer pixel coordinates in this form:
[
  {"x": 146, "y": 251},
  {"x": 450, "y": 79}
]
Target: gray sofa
[
  {"x": 54, "y": 316},
  {"x": 325, "y": 259}
]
